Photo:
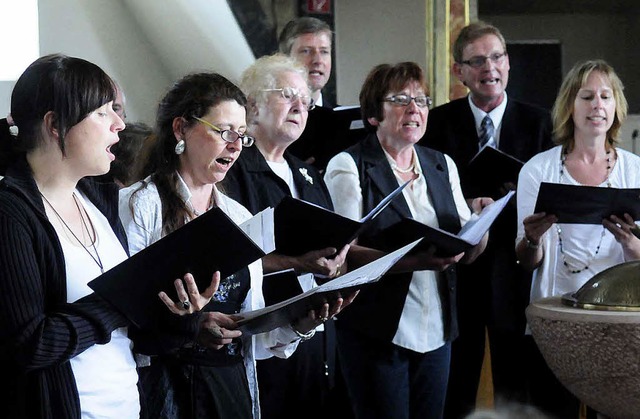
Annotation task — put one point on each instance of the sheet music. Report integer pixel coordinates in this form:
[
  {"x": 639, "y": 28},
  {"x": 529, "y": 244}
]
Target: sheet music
[
  {"x": 475, "y": 229},
  {"x": 261, "y": 230}
]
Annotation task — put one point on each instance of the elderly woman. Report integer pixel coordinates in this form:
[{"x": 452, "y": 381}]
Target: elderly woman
[
  {"x": 279, "y": 103},
  {"x": 199, "y": 134},
  {"x": 394, "y": 342},
  {"x": 587, "y": 117}
]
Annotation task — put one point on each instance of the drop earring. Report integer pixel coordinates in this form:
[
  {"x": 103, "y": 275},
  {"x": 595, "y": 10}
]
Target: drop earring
[{"x": 179, "y": 147}]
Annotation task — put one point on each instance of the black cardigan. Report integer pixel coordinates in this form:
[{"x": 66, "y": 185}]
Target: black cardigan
[{"x": 39, "y": 330}]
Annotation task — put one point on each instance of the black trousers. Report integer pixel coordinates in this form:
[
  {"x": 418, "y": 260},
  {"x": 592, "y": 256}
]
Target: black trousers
[
  {"x": 303, "y": 385},
  {"x": 492, "y": 296}
]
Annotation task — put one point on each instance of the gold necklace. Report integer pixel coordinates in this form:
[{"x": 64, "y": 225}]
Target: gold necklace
[{"x": 93, "y": 236}]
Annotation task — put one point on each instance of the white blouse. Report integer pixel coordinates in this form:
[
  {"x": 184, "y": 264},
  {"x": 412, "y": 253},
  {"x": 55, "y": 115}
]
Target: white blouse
[{"x": 579, "y": 241}]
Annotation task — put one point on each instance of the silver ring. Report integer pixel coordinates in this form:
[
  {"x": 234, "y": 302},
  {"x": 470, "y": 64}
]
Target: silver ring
[{"x": 186, "y": 304}]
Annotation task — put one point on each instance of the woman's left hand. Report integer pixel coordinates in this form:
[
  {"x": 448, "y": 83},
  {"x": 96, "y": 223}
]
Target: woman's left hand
[
  {"x": 315, "y": 318},
  {"x": 191, "y": 300},
  {"x": 626, "y": 232}
]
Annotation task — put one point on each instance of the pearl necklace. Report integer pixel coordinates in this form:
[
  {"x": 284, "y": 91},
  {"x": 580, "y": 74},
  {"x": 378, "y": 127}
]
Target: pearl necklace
[
  {"x": 410, "y": 169},
  {"x": 563, "y": 157}
]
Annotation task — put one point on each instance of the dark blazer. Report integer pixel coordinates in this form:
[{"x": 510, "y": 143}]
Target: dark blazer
[
  {"x": 251, "y": 182},
  {"x": 39, "y": 331},
  {"x": 388, "y": 295},
  {"x": 525, "y": 131}
]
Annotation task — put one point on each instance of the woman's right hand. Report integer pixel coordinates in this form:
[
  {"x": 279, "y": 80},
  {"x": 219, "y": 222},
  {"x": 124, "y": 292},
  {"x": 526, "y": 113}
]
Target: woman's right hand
[
  {"x": 191, "y": 300},
  {"x": 535, "y": 225}
]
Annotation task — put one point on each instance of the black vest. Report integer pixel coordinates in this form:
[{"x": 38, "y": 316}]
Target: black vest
[{"x": 377, "y": 310}]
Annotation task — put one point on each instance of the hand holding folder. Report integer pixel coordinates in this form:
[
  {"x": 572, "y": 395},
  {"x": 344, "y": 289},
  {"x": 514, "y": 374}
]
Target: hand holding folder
[
  {"x": 301, "y": 226},
  {"x": 446, "y": 243},
  {"x": 574, "y": 204},
  {"x": 288, "y": 311},
  {"x": 211, "y": 242}
]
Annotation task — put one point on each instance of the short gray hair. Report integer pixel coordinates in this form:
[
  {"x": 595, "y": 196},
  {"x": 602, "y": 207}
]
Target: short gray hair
[{"x": 262, "y": 74}]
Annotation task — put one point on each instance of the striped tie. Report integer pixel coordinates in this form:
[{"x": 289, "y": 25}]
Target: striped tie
[{"x": 487, "y": 132}]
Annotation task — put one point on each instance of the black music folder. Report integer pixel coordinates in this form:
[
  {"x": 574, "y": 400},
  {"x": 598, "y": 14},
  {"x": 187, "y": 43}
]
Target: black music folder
[
  {"x": 285, "y": 312},
  {"x": 206, "y": 244},
  {"x": 446, "y": 243},
  {"x": 488, "y": 171},
  {"x": 301, "y": 226},
  {"x": 574, "y": 204},
  {"x": 281, "y": 285}
]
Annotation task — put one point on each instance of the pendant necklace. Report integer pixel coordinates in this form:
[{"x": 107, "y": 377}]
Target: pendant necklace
[
  {"x": 92, "y": 234},
  {"x": 563, "y": 157}
]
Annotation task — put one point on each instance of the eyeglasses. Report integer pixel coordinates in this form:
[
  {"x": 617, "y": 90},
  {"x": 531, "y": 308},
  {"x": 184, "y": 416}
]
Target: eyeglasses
[
  {"x": 477, "y": 62},
  {"x": 227, "y": 135},
  {"x": 291, "y": 94},
  {"x": 405, "y": 100}
]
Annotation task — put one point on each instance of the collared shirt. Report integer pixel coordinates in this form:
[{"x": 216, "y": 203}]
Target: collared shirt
[{"x": 496, "y": 117}]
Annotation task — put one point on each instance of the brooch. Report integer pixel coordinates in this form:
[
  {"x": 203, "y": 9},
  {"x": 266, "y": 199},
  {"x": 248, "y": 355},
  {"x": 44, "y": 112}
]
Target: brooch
[{"x": 306, "y": 175}]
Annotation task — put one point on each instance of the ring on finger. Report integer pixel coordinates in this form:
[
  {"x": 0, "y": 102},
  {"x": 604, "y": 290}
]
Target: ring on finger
[
  {"x": 323, "y": 319},
  {"x": 186, "y": 304}
]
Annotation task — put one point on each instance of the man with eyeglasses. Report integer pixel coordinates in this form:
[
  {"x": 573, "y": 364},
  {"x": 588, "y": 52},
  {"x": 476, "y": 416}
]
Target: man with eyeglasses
[{"x": 493, "y": 291}]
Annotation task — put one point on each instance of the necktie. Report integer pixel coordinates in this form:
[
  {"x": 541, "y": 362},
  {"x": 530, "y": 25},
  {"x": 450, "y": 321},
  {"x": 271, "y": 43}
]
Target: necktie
[{"x": 487, "y": 132}]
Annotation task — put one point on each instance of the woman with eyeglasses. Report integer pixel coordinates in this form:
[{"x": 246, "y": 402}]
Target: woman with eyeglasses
[
  {"x": 199, "y": 133},
  {"x": 394, "y": 341},
  {"x": 279, "y": 101}
]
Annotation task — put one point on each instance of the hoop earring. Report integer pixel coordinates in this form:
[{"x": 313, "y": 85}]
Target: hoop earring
[{"x": 179, "y": 147}]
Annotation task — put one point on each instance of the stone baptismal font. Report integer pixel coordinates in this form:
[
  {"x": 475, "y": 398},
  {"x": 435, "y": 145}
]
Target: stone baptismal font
[{"x": 591, "y": 340}]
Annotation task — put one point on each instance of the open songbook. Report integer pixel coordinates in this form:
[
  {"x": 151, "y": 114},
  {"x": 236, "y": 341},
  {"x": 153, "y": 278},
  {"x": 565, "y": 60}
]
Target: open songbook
[
  {"x": 446, "y": 243},
  {"x": 574, "y": 204},
  {"x": 206, "y": 244},
  {"x": 487, "y": 171},
  {"x": 302, "y": 226},
  {"x": 285, "y": 312}
]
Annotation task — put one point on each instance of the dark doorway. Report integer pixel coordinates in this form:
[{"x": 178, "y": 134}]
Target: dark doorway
[{"x": 536, "y": 71}]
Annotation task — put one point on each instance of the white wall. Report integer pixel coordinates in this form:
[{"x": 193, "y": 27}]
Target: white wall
[
  {"x": 143, "y": 44},
  {"x": 372, "y": 32},
  {"x": 103, "y": 32}
]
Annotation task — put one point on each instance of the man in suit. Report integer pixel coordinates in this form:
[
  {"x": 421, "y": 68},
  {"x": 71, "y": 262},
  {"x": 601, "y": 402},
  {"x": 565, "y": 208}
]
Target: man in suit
[
  {"x": 309, "y": 40},
  {"x": 493, "y": 292}
]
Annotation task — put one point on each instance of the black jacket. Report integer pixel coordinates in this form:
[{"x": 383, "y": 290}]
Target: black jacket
[{"x": 252, "y": 182}]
